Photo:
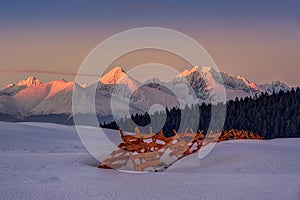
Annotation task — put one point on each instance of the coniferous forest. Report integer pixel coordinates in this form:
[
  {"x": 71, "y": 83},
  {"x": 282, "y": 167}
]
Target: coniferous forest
[{"x": 269, "y": 115}]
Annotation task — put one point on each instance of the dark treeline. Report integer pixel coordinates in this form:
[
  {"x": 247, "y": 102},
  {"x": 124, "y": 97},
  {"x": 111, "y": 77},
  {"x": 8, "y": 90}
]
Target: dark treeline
[{"x": 271, "y": 116}]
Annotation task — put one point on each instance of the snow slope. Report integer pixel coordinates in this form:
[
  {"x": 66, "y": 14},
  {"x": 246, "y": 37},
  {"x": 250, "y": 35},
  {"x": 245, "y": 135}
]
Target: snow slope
[{"x": 48, "y": 161}]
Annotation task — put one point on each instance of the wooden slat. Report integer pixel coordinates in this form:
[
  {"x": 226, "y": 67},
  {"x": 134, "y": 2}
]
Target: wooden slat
[
  {"x": 148, "y": 164},
  {"x": 147, "y": 156}
]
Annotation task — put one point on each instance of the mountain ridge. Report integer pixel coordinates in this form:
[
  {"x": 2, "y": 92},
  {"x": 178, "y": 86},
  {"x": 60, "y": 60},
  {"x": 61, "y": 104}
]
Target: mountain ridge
[{"x": 31, "y": 97}]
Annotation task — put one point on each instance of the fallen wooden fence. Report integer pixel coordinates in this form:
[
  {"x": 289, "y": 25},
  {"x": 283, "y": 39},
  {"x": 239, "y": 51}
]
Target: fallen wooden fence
[{"x": 142, "y": 152}]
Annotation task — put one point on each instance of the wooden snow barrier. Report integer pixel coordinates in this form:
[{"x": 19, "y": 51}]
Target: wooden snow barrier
[{"x": 143, "y": 152}]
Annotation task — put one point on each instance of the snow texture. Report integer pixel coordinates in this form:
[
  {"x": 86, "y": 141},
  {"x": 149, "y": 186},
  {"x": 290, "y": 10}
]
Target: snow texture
[{"x": 48, "y": 161}]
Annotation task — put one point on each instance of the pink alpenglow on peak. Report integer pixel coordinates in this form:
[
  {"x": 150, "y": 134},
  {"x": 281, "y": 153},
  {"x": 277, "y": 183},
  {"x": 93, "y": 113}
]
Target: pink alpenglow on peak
[
  {"x": 118, "y": 76},
  {"x": 29, "y": 82},
  {"x": 188, "y": 72},
  {"x": 253, "y": 86},
  {"x": 114, "y": 76},
  {"x": 200, "y": 69}
]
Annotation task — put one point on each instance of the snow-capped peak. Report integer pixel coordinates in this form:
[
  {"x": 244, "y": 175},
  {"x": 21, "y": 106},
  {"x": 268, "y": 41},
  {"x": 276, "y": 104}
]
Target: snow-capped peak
[
  {"x": 118, "y": 76},
  {"x": 187, "y": 72},
  {"x": 195, "y": 69},
  {"x": 253, "y": 86},
  {"x": 114, "y": 76},
  {"x": 29, "y": 82},
  {"x": 275, "y": 86},
  {"x": 206, "y": 69}
]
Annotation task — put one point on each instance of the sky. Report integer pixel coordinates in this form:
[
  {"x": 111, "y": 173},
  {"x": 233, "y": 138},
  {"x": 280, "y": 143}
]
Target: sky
[{"x": 49, "y": 39}]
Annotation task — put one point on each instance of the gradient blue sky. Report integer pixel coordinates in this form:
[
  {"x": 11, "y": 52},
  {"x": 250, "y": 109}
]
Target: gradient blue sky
[{"x": 256, "y": 39}]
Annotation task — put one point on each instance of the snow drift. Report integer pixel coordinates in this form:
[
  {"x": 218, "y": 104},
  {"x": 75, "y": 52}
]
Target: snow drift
[{"x": 48, "y": 161}]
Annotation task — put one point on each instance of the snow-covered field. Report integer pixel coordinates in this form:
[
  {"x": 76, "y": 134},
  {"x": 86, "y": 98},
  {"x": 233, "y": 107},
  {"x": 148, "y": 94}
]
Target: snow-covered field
[{"x": 48, "y": 161}]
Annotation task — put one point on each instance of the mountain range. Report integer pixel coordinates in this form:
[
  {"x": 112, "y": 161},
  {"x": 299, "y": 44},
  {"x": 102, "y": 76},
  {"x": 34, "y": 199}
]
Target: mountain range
[{"x": 32, "y": 100}]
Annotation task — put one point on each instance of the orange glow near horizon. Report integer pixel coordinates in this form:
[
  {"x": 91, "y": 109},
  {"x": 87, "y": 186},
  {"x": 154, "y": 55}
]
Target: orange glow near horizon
[{"x": 260, "y": 55}]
